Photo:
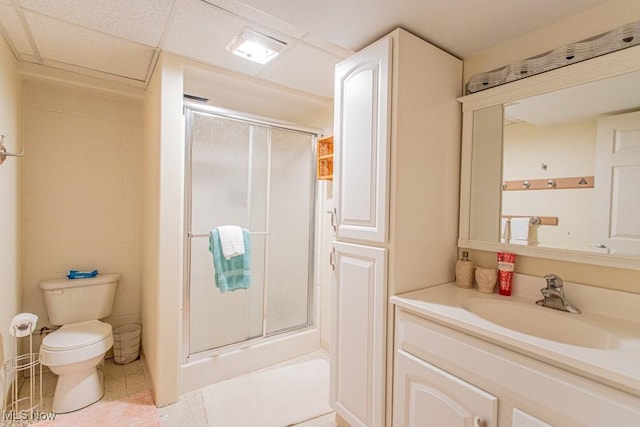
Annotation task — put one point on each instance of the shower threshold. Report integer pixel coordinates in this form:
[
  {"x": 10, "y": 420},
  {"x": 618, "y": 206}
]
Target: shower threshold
[{"x": 211, "y": 366}]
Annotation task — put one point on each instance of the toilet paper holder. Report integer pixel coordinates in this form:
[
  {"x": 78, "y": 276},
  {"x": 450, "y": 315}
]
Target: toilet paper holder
[{"x": 28, "y": 364}]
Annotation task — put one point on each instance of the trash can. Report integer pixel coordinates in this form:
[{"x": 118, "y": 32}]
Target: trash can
[{"x": 126, "y": 343}]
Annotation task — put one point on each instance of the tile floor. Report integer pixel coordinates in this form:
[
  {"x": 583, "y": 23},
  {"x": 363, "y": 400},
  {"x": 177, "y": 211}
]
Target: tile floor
[{"x": 123, "y": 381}]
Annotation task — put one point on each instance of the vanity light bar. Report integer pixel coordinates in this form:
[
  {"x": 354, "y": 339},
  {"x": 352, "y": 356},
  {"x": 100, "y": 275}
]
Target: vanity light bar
[{"x": 618, "y": 39}]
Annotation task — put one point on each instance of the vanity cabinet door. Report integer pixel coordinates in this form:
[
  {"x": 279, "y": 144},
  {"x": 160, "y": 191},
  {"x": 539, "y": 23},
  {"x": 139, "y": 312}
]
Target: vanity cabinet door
[
  {"x": 425, "y": 396},
  {"x": 362, "y": 115},
  {"x": 358, "y": 330},
  {"x": 522, "y": 419}
]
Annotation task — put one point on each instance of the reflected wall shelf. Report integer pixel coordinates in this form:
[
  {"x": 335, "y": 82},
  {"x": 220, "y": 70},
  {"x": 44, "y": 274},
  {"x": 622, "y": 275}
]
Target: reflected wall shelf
[{"x": 549, "y": 184}]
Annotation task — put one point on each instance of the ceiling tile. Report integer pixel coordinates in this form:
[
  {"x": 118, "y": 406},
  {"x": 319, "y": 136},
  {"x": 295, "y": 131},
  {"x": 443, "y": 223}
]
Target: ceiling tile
[
  {"x": 10, "y": 21},
  {"x": 258, "y": 17},
  {"x": 94, "y": 73},
  {"x": 29, "y": 58},
  {"x": 304, "y": 68},
  {"x": 71, "y": 44},
  {"x": 200, "y": 31},
  {"x": 328, "y": 46},
  {"x": 142, "y": 20}
]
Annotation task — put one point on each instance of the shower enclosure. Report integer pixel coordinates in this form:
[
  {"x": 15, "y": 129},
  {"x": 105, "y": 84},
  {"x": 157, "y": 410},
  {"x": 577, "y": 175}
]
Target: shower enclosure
[{"x": 260, "y": 176}]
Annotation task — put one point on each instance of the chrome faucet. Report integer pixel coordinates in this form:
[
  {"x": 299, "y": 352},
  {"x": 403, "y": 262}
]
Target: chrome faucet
[{"x": 554, "y": 295}]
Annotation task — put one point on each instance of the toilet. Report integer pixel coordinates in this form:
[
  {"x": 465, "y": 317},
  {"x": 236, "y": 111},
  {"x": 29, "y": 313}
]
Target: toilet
[{"x": 74, "y": 350}]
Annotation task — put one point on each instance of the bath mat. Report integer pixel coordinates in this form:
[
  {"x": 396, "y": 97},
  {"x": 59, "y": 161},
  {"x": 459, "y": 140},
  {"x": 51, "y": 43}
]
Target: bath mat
[
  {"x": 137, "y": 410},
  {"x": 276, "y": 397}
]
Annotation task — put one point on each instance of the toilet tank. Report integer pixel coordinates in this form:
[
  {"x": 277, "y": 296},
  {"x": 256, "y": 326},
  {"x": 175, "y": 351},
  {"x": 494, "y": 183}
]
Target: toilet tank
[{"x": 78, "y": 300}]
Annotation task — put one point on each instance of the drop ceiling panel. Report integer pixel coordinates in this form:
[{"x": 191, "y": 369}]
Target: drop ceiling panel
[
  {"x": 94, "y": 73},
  {"x": 12, "y": 25},
  {"x": 258, "y": 17},
  {"x": 141, "y": 20},
  {"x": 201, "y": 31},
  {"x": 304, "y": 68},
  {"x": 62, "y": 42},
  {"x": 316, "y": 41}
]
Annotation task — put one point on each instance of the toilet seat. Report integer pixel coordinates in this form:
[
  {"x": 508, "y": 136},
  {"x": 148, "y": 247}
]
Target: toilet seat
[{"x": 76, "y": 342}]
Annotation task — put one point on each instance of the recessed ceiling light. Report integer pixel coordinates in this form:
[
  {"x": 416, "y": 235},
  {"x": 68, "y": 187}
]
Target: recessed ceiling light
[{"x": 256, "y": 47}]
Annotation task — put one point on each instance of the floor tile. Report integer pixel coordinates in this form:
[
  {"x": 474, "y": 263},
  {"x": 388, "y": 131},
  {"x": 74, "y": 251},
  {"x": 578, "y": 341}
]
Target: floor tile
[{"x": 125, "y": 382}]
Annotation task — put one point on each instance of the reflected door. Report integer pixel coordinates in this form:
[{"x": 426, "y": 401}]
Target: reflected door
[{"x": 617, "y": 183}]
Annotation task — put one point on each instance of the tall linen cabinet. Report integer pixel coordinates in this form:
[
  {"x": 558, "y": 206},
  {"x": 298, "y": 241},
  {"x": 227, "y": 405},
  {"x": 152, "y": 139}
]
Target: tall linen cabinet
[{"x": 396, "y": 186}]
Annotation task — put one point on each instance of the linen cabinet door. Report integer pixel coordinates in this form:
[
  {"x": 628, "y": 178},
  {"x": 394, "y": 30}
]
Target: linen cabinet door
[
  {"x": 358, "y": 334},
  {"x": 361, "y": 138}
]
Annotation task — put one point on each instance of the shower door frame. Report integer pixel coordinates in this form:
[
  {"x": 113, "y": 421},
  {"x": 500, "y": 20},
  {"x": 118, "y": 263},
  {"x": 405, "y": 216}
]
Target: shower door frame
[{"x": 188, "y": 107}]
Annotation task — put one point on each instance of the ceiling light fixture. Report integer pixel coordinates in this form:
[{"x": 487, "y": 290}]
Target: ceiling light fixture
[{"x": 255, "y": 47}]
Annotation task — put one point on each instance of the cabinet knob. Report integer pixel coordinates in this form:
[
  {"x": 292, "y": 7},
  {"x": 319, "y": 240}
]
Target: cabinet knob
[{"x": 480, "y": 422}]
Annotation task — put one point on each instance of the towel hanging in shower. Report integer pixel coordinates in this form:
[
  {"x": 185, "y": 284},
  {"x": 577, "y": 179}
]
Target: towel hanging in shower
[
  {"x": 231, "y": 240},
  {"x": 235, "y": 272}
]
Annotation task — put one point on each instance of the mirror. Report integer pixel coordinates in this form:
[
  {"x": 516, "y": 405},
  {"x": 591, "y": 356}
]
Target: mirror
[
  {"x": 557, "y": 172},
  {"x": 572, "y": 158}
]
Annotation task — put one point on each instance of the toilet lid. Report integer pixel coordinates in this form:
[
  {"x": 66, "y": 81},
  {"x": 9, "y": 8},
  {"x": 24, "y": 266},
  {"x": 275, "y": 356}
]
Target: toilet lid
[{"x": 77, "y": 335}]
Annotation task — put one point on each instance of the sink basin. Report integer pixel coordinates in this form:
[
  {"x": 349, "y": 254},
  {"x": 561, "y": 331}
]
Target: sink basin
[{"x": 543, "y": 322}]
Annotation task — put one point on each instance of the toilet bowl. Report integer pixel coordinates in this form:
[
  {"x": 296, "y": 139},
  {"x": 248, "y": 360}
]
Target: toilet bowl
[{"x": 74, "y": 350}]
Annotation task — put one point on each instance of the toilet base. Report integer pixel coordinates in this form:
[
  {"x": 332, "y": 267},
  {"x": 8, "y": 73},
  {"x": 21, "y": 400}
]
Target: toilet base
[{"x": 77, "y": 390}]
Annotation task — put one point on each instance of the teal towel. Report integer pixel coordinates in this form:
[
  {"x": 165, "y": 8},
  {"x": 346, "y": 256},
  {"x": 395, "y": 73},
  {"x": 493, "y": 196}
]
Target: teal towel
[{"x": 235, "y": 272}]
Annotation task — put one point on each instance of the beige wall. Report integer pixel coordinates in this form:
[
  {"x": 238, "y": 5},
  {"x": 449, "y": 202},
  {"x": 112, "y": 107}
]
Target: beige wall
[
  {"x": 163, "y": 233},
  {"x": 567, "y": 150},
  {"x": 594, "y": 21},
  {"x": 10, "y": 118},
  {"x": 589, "y": 23},
  {"x": 82, "y": 189}
]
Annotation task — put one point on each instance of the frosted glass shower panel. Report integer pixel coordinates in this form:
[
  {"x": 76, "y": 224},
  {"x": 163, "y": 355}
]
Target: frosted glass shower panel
[
  {"x": 219, "y": 319},
  {"x": 259, "y": 177},
  {"x": 290, "y": 217},
  {"x": 228, "y": 167},
  {"x": 229, "y": 173}
]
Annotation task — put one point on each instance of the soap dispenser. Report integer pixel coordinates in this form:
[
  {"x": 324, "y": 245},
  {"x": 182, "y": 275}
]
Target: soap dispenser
[{"x": 464, "y": 271}]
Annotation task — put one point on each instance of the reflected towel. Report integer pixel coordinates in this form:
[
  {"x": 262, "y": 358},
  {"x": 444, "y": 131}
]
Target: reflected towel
[
  {"x": 231, "y": 240},
  {"x": 504, "y": 229},
  {"x": 233, "y": 273},
  {"x": 520, "y": 230}
]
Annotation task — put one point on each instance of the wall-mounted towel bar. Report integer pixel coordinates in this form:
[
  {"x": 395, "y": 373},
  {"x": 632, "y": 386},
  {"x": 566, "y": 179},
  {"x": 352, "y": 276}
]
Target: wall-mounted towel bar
[
  {"x": 4, "y": 153},
  {"x": 549, "y": 184},
  {"x": 536, "y": 220},
  {"x": 258, "y": 233}
]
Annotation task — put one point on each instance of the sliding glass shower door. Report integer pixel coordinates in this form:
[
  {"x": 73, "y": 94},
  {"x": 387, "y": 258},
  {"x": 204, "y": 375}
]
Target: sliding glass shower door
[{"x": 259, "y": 177}]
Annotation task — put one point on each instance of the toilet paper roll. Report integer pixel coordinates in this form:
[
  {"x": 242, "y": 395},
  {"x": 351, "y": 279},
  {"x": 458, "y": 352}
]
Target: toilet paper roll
[{"x": 23, "y": 324}]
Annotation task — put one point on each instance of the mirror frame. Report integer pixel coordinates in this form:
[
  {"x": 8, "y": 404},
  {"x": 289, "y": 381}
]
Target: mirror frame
[{"x": 602, "y": 67}]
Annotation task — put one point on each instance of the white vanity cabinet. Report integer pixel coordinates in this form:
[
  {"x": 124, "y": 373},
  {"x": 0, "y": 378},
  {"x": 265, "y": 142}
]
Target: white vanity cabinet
[
  {"x": 441, "y": 370},
  {"x": 396, "y": 186},
  {"x": 425, "y": 395}
]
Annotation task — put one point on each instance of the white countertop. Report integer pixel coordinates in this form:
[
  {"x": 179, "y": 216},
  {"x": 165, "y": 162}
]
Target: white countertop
[{"x": 618, "y": 312}]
